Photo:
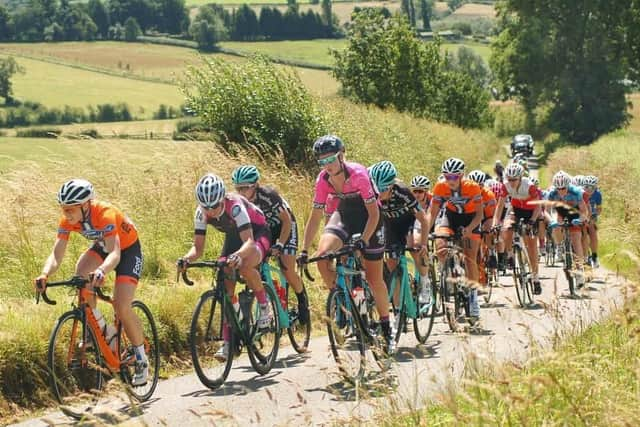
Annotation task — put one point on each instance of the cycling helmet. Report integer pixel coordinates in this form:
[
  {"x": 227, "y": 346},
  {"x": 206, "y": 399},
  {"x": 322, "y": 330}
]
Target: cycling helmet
[
  {"x": 514, "y": 170},
  {"x": 453, "y": 165},
  {"x": 591, "y": 180},
  {"x": 210, "y": 190},
  {"x": 535, "y": 181},
  {"x": 577, "y": 180},
  {"x": 75, "y": 192},
  {"x": 247, "y": 174},
  {"x": 498, "y": 162},
  {"x": 561, "y": 179},
  {"x": 490, "y": 183},
  {"x": 383, "y": 174},
  {"x": 477, "y": 176},
  {"x": 420, "y": 181},
  {"x": 327, "y": 144}
]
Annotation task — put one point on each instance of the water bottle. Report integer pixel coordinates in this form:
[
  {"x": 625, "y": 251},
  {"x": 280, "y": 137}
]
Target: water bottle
[
  {"x": 282, "y": 294},
  {"x": 110, "y": 332},
  {"x": 359, "y": 299}
]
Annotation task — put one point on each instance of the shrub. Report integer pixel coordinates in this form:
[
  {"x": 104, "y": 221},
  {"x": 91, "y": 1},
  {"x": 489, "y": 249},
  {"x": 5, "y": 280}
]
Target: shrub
[
  {"x": 254, "y": 103},
  {"x": 39, "y": 133}
]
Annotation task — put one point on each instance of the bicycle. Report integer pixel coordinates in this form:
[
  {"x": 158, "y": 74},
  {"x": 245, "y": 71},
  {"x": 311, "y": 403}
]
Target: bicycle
[
  {"x": 488, "y": 264},
  {"x": 550, "y": 249},
  {"x": 455, "y": 293},
  {"x": 568, "y": 257},
  {"x": 408, "y": 306},
  {"x": 522, "y": 277},
  {"x": 78, "y": 351},
  {"x": 206, "y": 334},
  {"x": 351, "y": 315},
  {"x": 287, "y": 304}
]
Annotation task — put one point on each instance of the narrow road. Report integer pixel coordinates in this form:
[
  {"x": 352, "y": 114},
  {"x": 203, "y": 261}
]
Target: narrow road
[{"x": 305, "y": 389}]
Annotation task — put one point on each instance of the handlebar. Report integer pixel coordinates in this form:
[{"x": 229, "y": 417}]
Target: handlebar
[
  {"x": 201, "y": 264},
  {"x": 77, "y": 282},
  {"x": 345, "y": 250}
]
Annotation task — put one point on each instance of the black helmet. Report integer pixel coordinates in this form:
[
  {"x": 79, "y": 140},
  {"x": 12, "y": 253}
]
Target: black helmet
[{"x": 327, "y": 144}]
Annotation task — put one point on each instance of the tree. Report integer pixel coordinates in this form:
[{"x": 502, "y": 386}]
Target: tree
[
  {"x": 426, "y": 12},
  {"x": 570, "y": 55},
  {"x": 54, "y": 33},
  {"x": 98, "y": 13},
  {"x": 454, "y": 4},
  {"x": 6, "y": 24},
  {"x": 467, "y": 62},
  {"x": 8, "y": 67},
  {"x": 174, "y": 16},
  {"x": 131, "y": 29},
  {"x": 208, "y": 28},
  {"x": 245, "y": 25},
  {"x": 327, "y": 13}
]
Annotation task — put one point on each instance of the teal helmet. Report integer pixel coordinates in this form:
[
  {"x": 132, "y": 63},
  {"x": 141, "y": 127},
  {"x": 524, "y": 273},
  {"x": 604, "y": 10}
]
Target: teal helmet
[
  {"x": 246, "y": 174},
  {"x": 383, "y": 174}
]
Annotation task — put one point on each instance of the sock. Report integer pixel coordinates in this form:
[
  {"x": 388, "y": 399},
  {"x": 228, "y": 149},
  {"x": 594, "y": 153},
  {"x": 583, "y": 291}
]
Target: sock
[
  {"x": 140, "y": 353},
  {"x": 594, "y": 256},
  {"x": 261, "y": 296},
  {"x": 302, "y": 297},
  {"x": 535, "y": 277}
]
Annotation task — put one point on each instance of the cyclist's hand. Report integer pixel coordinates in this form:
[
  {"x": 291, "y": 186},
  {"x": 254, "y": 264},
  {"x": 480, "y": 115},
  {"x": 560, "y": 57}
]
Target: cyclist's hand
[
  {"x": 302, "y": 258},
  {"x": 97, "y": 277},
  {"x": 466, "y": 232},
  {"x": 360, "y": 244},
  {"x": 277, "y": 249},
  {"x": 234, "y": 261},
  {"x": 424, "y": 250},
  {"x": 182, "y": 264},
  {"x": 40, "y": 283}
]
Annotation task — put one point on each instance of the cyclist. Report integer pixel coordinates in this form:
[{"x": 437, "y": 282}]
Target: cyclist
[
  {"x": 461, "y": 200},
  {"x": 522, "y": 192},
  {"x": 595, "y": 205},
  {"x": 420, "y": 186},
  {"x": 400, "y": 210},
  {"x": 489, "y": 203},
  {"x": 575, "y": 210},
  {"x": 357, "y": 213},
  {"x": 282, "y": 225},
  {"x": 498, "y": 168},
  {"x": 541, "y": 222},
  {"x": 115, "y": 247},
  {"x": 246, "y": 243}
]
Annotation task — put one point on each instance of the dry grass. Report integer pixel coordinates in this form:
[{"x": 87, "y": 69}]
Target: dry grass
[{"x": 475, "y": 10}]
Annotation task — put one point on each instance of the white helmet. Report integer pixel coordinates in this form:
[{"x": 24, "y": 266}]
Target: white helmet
[
  {"x": 577, "y": 180},
  {"x": 453, "y": 165},
  {"x": 535, "y": 181},
  {"x": 420, "y": 181},
  {"x": 561, "y": 179},
  {"x": 477, "y": 176},
  {"x": 210, "y": 190},
  {"x": 514, "y": 170},
  {"x": 75, "y": 192},
  {"x": 591, "y": 180},
  {"x": 489, "y": 183}
]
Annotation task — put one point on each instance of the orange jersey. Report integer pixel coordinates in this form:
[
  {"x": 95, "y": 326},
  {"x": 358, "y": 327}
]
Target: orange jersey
[
  {"x": 104, "y": 221},
  {"x": 489, "y": 202},
  {"x": 464, "y": 201}
]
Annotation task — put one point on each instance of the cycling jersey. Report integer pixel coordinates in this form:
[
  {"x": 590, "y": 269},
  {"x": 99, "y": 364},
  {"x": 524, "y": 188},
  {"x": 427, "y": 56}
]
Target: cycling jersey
[
  {"x": 103, "y": 220},
  {"x": 272, "y": 205},
  {"x": 357, "y": 190},
  {"x": 239, "y": 214},
  {"x": 573, "y": 197},
  {"x": 522, "y": 195},
  {"x": 402, "y": 203},
  {"x": 465, "y": 200},
  {"x": 595, "y": 200}
]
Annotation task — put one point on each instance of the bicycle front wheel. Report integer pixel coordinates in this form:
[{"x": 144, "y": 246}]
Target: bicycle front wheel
[
  {"x": 73, "y": 359},
  {"x": 568, "y": 267},
  {"x": 345, "y": 337},
  {"x": 151, "y": 348},
  {"x": 265, "y": 341},
  {"x": 450, "y": 303},
  {"x": 299, "y": 334},
  {"x": 550, "y": 252},
  {"x": 206, "y": 338},
  {"x": 519, "y": 277},
  {"x": 425, "y": 314}
]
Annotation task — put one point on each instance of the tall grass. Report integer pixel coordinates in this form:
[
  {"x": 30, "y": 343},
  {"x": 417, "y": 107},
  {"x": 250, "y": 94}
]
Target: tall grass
[{"x": 152, "y": 181}]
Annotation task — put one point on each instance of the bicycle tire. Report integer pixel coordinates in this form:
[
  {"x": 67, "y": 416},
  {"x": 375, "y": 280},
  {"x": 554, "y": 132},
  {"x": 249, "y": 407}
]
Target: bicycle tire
[
  {"x": 299, "y": 334},
  {"x": 206, "y": 338},
  {"x": 423, "y": 331},
  {"x": 341, "y": 325},
  {"x": 568, "y": 266},
  {"x": 73, "y": 376},
  {"x": 550, "y": 255},
  {"x": 263, "y": 362},
  {"x": 449, "y": 297},
  {"x": 144, "y": 392}
]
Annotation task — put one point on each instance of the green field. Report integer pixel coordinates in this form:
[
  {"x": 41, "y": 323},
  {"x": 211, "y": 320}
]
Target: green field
[
  {"x": 313, "y": 51},
  {"x": 481, "y": 49}
]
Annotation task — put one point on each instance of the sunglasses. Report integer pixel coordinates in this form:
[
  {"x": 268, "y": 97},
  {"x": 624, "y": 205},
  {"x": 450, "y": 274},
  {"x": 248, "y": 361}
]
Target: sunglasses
[
  {"x": 211, "y": 208},
  {"x": 328, "y": 160},
  {"x": 590, "y": 187},
  {"x": 419, "y": 191},
  {"x": 243, "y": 188},
  {"x": 561, "y": 188},
  {"x": 512, "y": 179},
  {"x": 452, "y": 176}
]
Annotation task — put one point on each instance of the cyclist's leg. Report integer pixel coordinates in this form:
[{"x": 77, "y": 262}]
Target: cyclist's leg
[
  {"x": 127, "y": 275},
  {"x": 91, "y": 259},
  {"x": 593, "y": 240},
  {"x": 333, "y": 238},
  {"x": 471, "y": 247},
  {"x": 507, "y": 235}
]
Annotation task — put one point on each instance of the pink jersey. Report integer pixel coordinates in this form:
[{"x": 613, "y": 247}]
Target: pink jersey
[
  {"x": 356, "y": 190},
  {"x": 239, "y": 214}
]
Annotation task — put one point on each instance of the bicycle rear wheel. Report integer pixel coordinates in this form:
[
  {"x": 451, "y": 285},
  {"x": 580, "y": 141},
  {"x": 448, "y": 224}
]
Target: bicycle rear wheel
[
  {"x": 448, "y": 288},
  {"x": 265, "y": 342},
  {"x": 206, "y": 338},
  {"x": 151, "y": 348},
  {"x": 345, "y": 337},
  {"x": 299, "y": 334},
  {"x": 74, "y": 365}
]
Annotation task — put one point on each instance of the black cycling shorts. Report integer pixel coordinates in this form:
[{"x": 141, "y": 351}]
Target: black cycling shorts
[
  {"x": 346, "y": 226},
  {"x": 291, "y": 245},
  {"x": 129, "y": 269},
  {"x": 396, "y": 235}
]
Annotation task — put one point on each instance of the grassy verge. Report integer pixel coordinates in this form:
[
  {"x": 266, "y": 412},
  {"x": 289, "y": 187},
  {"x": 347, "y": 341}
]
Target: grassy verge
[{"x": 152, "y": 181}]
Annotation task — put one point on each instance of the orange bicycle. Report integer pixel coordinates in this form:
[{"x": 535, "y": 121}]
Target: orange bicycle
[{"x": 79, "y": 352}]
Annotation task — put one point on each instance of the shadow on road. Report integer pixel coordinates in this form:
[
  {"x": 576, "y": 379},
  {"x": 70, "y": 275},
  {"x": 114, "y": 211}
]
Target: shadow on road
[
  {"x": 410, "y": 354},
  {"x": 238, "y": 388}
]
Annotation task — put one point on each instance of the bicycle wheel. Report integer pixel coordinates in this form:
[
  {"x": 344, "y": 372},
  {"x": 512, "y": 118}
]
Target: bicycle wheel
[
  {"x": 425, "y": 315},
  {"x": 345, "y": 337},
  {"x": 568, "y": 268},
  {"x": 151, "y": 348},
  {"x": 492, "y": 280},
  {"x": 550, "y": 252},
  {"x": 265, "y": 342},
  {"x": 449, "y": 298},
  {"x": 519, "y": 276},
  {"x": 299, "y": 334},
  {"x": 433, "y": 276},
  {"x": 206, "y": 338},
  {"x": 74, "y": 366}
]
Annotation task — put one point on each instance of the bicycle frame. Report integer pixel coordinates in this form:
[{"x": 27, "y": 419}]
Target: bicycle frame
[
  {"x": 405, "y": 293},
  {"x": 267, "y": 270}
]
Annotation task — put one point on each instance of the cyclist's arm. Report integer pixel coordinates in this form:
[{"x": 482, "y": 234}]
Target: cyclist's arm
[
  {"x": 54, "y": 259},
  {"x": 373, "y": 212},
  {"x": 537, "y": 211},
  {"x": 421, "y": 216},
  {"x": 112, "y": 247},
  {"x": 434, "y": 207},
  {"x": 584, "y": 214},
  {"x": 248, "y": 243},
  {"x": 196, "y": 249},
  {"x": 498, "y": 213},
  {"x": 477, "y": 218},
  {"x": 312, "y": 226},
  {"x": 285, "y": 230}
]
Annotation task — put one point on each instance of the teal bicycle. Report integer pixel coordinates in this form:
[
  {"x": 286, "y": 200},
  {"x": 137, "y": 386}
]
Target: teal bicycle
[
  {"x": 406, "y": 304},
  {"x": 353, "y": 324},
  {"x": 287, "y": 306}
]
